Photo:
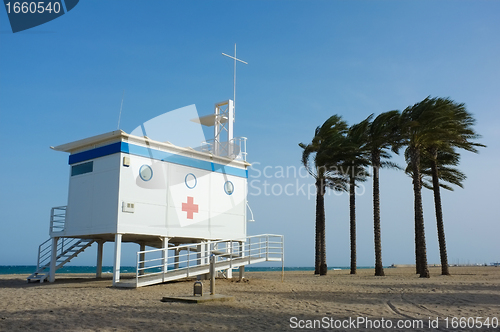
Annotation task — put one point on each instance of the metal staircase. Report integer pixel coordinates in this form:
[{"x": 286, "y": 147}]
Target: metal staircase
[{"x": 67, "y": 249}]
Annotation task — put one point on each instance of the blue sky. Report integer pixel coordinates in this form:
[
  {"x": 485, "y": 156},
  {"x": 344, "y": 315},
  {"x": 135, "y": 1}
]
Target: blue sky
[{"x": 63, "y": 81}]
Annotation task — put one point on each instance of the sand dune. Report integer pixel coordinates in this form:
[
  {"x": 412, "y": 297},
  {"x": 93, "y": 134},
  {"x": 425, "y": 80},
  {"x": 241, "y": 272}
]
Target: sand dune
[{"x": 262, "y": 302}]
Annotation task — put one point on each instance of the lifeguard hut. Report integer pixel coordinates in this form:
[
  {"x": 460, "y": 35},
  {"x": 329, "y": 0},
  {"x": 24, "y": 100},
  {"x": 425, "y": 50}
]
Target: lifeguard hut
[{"x": 186, "y": 204}]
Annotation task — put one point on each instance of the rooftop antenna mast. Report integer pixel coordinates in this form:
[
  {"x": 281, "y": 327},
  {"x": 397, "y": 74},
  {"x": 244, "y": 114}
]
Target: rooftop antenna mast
[
  {"x": 120, "y": 115},
  {"x": 234, "y": 81}
]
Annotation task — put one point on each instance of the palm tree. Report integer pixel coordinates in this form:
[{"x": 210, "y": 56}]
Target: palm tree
[
  {"x": 458, "y": 133},
  {"x": 433, "y": 179},
  {"x": 431, "y": 126},
  {"x": 421, "y": 127},
  {"x": 325, "y": 138},
  {"x": 355, "y": 162},
  {"x": 382, "y": 134},
  {"x": 318, "y": 174}
]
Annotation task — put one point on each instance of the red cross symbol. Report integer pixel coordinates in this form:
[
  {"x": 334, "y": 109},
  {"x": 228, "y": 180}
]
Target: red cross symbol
[{"x": 190, "y": 207}]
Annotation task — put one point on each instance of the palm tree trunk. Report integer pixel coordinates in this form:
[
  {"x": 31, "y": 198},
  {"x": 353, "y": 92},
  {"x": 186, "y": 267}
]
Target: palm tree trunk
[
  {"x": 419, "y": 215},
  {"x": 379, "y": 269},
  {"x": 417, "y": 245},
  {"x": 320, "y": 224},
  {"x": 417, "y": 248},
  {"x": 352, "y": 210},
  {"x": 439, "y": 216},
  {"x": 317, "y": 248},
  {"x": 319, "y": 208}
]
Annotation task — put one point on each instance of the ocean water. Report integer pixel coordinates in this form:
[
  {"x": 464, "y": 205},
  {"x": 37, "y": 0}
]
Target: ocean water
[{"x": 28, "y": 269}]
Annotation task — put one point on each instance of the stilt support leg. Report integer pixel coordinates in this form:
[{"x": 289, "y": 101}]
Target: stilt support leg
[
  {"x": 53, "y": 260},
  {"x": 142, "y": 257},
  {"x": 203, "y": 258},
  {"x": 229, "y": 250},
  {"x": 176, "y": 258},
  {"x": 165, "y": 257},
  {"x": 116, "y": 265},
  {"x": 100, "y": 245}
]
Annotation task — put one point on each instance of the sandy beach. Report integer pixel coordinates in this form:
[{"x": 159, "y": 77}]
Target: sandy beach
[{"x": 262, "y": 303}]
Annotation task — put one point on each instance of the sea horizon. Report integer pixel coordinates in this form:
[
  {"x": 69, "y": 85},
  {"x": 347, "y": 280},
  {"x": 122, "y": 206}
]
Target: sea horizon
[{"x": 28, "y": 269}]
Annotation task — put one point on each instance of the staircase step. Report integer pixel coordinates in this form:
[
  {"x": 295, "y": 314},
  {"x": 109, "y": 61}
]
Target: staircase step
[{"x": 38, "y": 277}]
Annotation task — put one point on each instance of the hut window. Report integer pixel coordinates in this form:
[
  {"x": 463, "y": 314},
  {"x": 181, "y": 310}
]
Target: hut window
[
  {"x": 229, "y": 187},
  {"x": 82, "y": 168}
]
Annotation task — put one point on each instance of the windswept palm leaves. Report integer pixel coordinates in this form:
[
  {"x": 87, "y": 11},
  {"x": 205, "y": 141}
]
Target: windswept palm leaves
[
  {"x": 317, "y": 159},
  {"x": 444, "y": 162},
  {"x": 431, "y": 130},
  {"x": 455, "y": 130},
  {"x": 421, "y": 126}
]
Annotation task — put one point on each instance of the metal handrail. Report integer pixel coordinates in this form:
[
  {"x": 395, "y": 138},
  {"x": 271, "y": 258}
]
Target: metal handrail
[
  {"x": 269, "y": 247},
  {"x": 45, "y": 250},
  {"x": 236, "y": 148},
  {"x": 42, "y": 252},
  {"x": 57, "y": 219}
]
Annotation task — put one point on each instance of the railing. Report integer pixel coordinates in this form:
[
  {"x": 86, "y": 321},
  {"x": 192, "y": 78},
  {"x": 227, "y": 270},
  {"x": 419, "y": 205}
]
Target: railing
[
  {"x": 240, "y": 144},
  {"x": 45, "y": 250},
  {"x": 235, "y": 149},
  {"x": 192, "y": 259},
  {"x": 57, "y": 219},
  {"x": 44, "y": 254}
]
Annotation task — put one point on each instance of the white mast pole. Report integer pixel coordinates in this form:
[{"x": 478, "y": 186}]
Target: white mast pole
[
  {"x": 120, "y": 115},
  {"x": 234, "y": 79}
]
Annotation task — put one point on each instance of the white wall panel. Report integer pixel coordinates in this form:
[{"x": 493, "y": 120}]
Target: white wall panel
[
  {"x": 188, "y": 201},
  {"x": 93, "y": 199},
  {"x": 149, "y": 197}
]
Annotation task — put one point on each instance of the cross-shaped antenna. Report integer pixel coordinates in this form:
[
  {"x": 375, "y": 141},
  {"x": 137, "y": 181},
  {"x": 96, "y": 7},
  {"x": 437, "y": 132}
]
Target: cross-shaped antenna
[{"x": 234, "y": 82}]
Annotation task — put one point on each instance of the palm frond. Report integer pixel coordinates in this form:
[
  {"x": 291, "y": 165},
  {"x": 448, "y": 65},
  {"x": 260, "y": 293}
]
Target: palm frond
[{"x": 390, "y": 164}]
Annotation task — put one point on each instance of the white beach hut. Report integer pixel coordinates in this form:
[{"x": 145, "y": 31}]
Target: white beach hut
[{"x": 187, "y": 203}]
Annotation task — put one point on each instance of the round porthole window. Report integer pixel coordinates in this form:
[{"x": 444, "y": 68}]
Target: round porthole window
[
  {"x": 190, "y": 181},
  {"x": 145, "y": 172},
  {"x": 228, "y": 187}
]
